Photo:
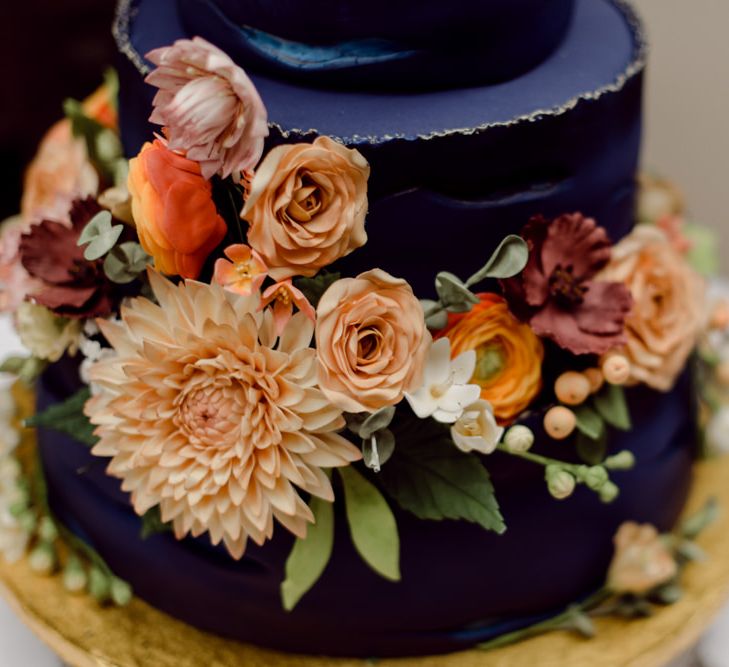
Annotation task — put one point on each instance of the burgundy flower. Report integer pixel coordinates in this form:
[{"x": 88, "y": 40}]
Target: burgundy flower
[
  {"x": 72, "y": 286},
  {"x": 555, "y": 293}
]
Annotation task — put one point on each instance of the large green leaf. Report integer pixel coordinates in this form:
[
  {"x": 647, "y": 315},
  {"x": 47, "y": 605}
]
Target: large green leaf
[
  {"x": 589, "y": 422},
  {"x": 612, "y": 407},
  {"x": 152, "y": 523},
  {"x": 309, "y": 557},
  {"x": 508, "y": 259},
  {"x": 314, "y": 288},
  {"x": 68, "y": 418},
  {"x": 371, "y": 524},
  {"x": 430, "y": 477}
]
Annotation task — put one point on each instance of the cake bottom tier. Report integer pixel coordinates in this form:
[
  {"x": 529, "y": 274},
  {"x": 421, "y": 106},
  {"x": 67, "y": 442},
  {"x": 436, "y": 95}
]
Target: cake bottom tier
[{"x": 460, "y": 586}]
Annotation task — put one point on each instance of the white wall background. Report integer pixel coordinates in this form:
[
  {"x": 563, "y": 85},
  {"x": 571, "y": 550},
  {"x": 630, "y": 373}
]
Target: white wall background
[{"x": 687, "y": 104}]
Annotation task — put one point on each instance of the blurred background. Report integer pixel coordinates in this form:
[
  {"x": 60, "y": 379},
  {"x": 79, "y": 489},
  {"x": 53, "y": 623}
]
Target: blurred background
[{"x": 687, "y": 98}]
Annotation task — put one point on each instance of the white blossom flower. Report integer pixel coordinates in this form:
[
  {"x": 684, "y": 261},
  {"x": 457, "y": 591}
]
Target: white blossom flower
[
  {"x": 717, "y": 430},
  {"x": 476, "y": 429},
  {"x": 445, "y": 391}
]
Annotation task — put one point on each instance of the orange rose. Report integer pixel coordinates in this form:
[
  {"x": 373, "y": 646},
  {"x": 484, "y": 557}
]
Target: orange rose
[
  {"x": 508, "y": 354},
  {"x": 173, "y": 209},
  {"x": 668, "y": 305},
  {"x": 371, "y": 341},
  {"x": 307, "y": 207}
]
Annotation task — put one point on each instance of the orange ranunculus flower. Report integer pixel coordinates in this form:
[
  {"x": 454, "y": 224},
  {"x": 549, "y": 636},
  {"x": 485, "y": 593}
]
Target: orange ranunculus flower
[
  {"x": 173, "y": 209},
  {"x": 508, "y": 354}
]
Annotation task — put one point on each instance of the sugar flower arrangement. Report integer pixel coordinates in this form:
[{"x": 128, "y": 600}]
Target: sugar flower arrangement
[{"x": 231, "y": 368}]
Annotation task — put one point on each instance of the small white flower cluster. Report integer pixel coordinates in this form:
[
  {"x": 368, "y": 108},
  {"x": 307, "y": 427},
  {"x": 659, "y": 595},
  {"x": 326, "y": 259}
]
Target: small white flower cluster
[
  {"x": 14, "y": 537},
  {"x": 92, "y": 352},
  {"x": 447, "y": 397},
  {"x": 716, "y": 346}
]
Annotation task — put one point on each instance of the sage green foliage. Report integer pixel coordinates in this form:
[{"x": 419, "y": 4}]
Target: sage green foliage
[
  {"x": 103, "y": 144},
  {"x": 611, "y": 405},
  {"x": 314, "y": 288},
  {"x": 591, "y": 450},
  {"x": 703, "y": 255},
  {"x": 508, "y": 260},
  {"x": 310, "y": 556},
  {"x": 432, "y": 479},
  {"x": 371, "y": 524},
  {"x": 697, "y": 523},
  {"x": 68, "y": 418},
  {"x": 152, "y": 523},
  {"x": 126, "y": 262},
  {"x": 589, "y": 422},
  {"x": 453, "y": 294},
  {"x": 99, "y": 236},
  {"x": 28, "y": 369}
]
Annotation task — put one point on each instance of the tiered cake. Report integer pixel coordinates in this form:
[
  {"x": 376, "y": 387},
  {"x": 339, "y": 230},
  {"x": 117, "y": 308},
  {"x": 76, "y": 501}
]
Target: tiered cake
[{"x": 475, "y": 116}]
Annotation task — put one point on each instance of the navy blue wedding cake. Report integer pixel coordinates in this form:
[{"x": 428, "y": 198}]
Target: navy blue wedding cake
[{"x": 479, "y": 129}]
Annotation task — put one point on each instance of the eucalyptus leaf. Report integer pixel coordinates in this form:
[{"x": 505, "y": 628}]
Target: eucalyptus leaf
[
  {"x": 431, "y": 478},
  {"x": 694, "y": 525},
  {"x": 378, "y": 449},
  {"x": 98, "y": 225},
  {"x": 28, "y": 369},
  {"x": 589, "y": 422},
  {"x": 125, "y": 262},
  {"x": 436, "y": 316},
  {"x": 612, "y": 406},
  {"x": 376, "y": 421},
  {"x": 152, "y": 523},
  {"x": 309, "y": 557},
  {"x": 371, "y": 524},
  {"x": 452, "y": 291},
  {"x": 508, "y": 260},
  {"x": 68, "y": 418}
]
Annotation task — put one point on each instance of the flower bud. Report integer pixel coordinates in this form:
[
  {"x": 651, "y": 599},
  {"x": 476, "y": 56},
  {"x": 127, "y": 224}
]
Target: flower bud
[
  {"x": 561, "y": 484},
  {"x": 559, "y": 422},
  {"x": 595, "y": 378},
  {"x": 42, "y": 559},
  {"x": 609, "y": 492},
  {"x": 616, "y": 368},
  {"x": 121, "y": 592},
  {"x": 27, "y": 520},
  {"x": 519, "y": 439},
  {"x": 75, "y": 579},
  {"x": 47, "y": 530},
  {"x": 572, "y": 388},
  {"x": 624, "y": 460},
  {"x": 595, "y": 477},
  {"x": 99, "y": 584}
]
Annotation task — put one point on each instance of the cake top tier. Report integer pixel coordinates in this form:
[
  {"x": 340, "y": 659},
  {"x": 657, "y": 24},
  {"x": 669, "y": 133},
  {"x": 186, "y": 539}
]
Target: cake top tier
[{"x": 383, "y": 43}]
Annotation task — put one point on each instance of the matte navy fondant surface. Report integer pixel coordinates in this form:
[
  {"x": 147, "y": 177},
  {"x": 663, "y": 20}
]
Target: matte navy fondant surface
[
  {"x": 381, "y": 44},
  {"x": 461, "y": 585},
  {"x": 454, "y": 171}
]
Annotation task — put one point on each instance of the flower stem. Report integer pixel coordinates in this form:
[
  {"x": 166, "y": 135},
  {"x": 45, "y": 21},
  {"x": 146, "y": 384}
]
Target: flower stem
[{"x": 540, "y": 460}]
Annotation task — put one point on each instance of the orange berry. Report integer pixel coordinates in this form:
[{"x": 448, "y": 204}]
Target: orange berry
[
  {"x": 595, "y": 378},
  {"x": 572, "y": 388},
  {"x": 616, "y": 369},
  {"x": 559, "y": 422}
]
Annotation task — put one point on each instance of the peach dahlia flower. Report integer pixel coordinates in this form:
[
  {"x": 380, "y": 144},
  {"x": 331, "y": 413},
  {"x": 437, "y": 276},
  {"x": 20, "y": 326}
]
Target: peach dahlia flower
[{"x": 207, "y": 414}]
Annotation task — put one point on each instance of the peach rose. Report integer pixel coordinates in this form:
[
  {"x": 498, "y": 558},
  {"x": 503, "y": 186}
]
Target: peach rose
[
  {"x": 371, "y": 341},
  {"x": 173, "y": 209},
  {"x": 641, "y": 562},
  {"x": 59, "y": 173},
  {"x": 307, "y": 206},
  {"x": 668, "y": 297},
  {"x": 508, "y": 354}
]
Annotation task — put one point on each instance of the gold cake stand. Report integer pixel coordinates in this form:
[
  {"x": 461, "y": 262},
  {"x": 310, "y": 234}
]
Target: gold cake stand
[{"x": 85, "y": 635}]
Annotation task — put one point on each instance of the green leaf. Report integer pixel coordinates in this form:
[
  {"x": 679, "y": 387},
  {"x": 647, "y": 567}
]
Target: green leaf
[
  {"x": 99, "y": 236},
  {"x": 436, "y": 317},
  {"x": 589, "y": 422},
  {"x": 314, "y": 288},
  {"x": 309, "y": 557},
  {"x": 152, "y": 523},
  {"x": 430, "y": 477},
  {"x": 28, "y": 369},
  {"x": 371, "y": 524},
  {"x": 126, "y": 262},
  {"x": 508, "y": 260},
  {"x": 68, "y": 418},
  {"x": 591, "y": 451},
  {"x": 610, "y": 403},
  {"x": 453, "y": 292},
  {"x": 103, "y": 145},
  {"x": 378, "y": 449},
  {"x": 704, "y": 254},
  {"x": 694, "y": 525},
  {"x": 376, "y": 422}
]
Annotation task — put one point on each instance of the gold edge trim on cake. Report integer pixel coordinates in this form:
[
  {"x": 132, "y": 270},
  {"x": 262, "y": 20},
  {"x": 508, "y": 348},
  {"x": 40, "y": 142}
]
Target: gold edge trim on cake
[{"x": 637, "y": 64}]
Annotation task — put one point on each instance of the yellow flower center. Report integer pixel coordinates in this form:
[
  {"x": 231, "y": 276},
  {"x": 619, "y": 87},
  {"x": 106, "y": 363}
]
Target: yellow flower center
[
  {"x": 283, "y": 295},
  {"x": 490, "y": 362}
]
